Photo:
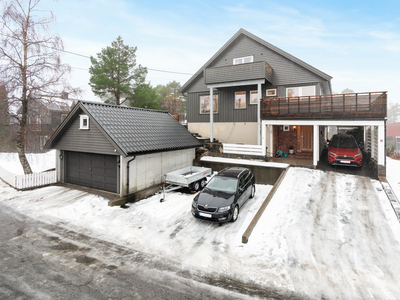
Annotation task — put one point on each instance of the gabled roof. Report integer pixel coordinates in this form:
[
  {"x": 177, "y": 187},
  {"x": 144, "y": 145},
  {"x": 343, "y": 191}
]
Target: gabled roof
[
  {"x": 132, "y": 130},
  {"x": 262, "y": 42}
]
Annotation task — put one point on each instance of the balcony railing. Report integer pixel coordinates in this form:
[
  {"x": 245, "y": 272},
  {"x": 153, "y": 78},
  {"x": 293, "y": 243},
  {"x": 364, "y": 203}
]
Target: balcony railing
[
  {"x": 240, "y": 72},
  {"x": 340, "y": 106}
]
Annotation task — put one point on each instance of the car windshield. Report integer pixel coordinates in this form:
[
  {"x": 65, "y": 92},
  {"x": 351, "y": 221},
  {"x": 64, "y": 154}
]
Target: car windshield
[
  {"x": 343, "y": 141},
  {"x": 223, "y": 184}
]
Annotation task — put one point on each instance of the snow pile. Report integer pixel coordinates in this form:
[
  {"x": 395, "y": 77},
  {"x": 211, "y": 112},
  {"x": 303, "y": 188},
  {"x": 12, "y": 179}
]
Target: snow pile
[
  {"x": 39, "y": 162},
  {"x": 323, "y": 235}
]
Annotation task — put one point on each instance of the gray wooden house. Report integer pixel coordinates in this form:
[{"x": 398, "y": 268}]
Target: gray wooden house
[
  {"x": 264, "y": 96},
  {"x": 119, "y": 149}
]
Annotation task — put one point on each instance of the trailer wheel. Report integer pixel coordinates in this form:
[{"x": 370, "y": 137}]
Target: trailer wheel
[
  {"x": 203, "y": 183},
  {"x": 195, "y": 186}
]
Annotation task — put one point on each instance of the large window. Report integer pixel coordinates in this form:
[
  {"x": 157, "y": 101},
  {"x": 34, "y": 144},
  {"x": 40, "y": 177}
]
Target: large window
[
  {"x": 240, "y": 100},
  {"x": 205, "y": 104},
  {"x": 254, "y": 97},
  {"x": 300, "y": 91},
  {"x": 243, "y": 60}
]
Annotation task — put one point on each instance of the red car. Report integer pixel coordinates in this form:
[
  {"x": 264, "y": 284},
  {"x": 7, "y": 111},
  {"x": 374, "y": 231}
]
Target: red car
[{"x": 343, "y": 150}]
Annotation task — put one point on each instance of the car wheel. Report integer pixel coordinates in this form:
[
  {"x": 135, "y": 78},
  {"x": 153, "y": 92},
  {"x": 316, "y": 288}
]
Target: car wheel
[
  {"x": 235, "y": 214},
  {"x": 195, "y": 186},
  {"x": 253, "y": 191}
]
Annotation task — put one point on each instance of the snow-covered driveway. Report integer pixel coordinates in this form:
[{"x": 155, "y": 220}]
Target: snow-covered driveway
[{"x": 323, "y": 235}]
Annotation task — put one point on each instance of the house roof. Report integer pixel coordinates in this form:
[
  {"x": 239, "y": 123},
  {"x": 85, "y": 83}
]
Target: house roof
[
  {"x": 262, "y": 42},
  {"x": 132, "y": 130}
]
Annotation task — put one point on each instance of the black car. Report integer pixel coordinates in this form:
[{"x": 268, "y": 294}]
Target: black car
[{"x": 224, "y": 195}]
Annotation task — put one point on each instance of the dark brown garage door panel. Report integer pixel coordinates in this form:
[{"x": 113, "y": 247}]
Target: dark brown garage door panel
[{"x": 92, "y": 170}]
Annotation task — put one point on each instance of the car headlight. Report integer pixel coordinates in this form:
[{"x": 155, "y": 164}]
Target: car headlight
[
  {"x": 194, "y": 203},
  {"x": 357, "y": 155},
  {"x": 223, "y": 209},
  {"x": 330, "y": 152}
]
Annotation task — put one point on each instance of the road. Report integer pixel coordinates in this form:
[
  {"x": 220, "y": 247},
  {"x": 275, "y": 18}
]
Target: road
[{"x": 46, "y": 261}]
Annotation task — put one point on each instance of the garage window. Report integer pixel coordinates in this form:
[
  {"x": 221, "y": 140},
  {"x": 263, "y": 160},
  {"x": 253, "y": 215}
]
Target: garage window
[{"x": 84, "y": 123}]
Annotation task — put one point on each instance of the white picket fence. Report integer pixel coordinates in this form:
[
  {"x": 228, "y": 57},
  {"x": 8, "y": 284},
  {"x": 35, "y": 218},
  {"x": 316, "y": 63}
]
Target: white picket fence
[
  {"x": 243, "y": 149},
  {"x": 23, "y": 182}
]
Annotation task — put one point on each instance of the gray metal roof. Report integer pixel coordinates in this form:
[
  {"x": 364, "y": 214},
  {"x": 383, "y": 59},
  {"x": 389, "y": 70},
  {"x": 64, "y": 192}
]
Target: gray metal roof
[
  {"x": 262, "y": 42},
  {"x": 135, "y": 130}
]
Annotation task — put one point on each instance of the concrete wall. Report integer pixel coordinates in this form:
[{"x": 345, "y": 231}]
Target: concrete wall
[
  {"x": 231, "y": 133},
  {"x": 146, "y": 171}
]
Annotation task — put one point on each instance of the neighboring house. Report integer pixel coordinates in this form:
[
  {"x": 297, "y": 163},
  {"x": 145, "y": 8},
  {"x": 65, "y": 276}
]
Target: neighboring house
[
  {"x": 262, "y": 95},
  {"x": 393, "y": 134},
  {"x": 43, "y": 120},
  {"x": 120, "y": 149}
]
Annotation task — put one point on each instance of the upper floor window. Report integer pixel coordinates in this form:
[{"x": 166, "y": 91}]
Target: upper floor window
[
  {"x": 84, "y": 122},
  {"x": 300, "y": 91},
  {"x": 243, "y": 60}
]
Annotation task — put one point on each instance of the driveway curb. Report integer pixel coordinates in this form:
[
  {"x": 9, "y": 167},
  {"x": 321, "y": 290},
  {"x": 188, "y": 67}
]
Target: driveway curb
[{"x": 247, "y": 233}]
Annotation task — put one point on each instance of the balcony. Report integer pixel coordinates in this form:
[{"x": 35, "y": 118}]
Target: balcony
[
  {"x": 340, "y": 106},
  {"x": 241, "y": 72}
]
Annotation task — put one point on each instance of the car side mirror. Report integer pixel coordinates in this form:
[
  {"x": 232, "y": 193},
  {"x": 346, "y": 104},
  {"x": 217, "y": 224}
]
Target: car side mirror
[{"x": 241, "y": 190}]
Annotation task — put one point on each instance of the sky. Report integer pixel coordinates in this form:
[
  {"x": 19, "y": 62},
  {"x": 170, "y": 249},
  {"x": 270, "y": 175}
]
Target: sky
[{"x": 355, "y": 42}]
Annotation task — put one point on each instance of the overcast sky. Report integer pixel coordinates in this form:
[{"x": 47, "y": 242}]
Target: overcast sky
[{"x": 356, "y": 42}]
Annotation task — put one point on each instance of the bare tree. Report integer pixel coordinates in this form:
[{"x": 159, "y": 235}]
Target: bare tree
[{"x": 30, "y": 64}]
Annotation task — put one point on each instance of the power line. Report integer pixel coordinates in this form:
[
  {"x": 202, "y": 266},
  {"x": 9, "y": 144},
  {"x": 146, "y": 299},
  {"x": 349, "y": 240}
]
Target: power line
[{"x": 85, "y": 56}]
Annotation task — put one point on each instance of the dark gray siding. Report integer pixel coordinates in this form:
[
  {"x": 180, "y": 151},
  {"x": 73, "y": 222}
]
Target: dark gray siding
[
  {"x": 92, "y": 140},
  {"x": 226, "y": 106},
  {"x": 226, "y": 103},
  {"x": 285, "y": 71}
]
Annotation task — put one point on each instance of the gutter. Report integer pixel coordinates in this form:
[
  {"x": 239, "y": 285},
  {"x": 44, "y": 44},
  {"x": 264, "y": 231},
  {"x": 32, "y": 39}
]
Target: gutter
[{"x": 127, "y": 176}]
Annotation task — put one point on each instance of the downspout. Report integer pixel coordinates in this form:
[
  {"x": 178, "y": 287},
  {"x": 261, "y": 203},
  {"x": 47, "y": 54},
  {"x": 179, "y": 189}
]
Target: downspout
[{"x": 127, "y": 174}]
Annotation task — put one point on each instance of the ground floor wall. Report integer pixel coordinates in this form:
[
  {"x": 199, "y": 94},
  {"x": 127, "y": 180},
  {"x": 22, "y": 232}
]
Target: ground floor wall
[
  {"x": 146, "y": 171},
  {"x": 230, "y": 133}
]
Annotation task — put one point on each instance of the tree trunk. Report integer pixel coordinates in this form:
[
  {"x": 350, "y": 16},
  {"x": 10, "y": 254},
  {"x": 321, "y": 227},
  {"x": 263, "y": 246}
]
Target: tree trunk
[{"x": 21, "y": 150}]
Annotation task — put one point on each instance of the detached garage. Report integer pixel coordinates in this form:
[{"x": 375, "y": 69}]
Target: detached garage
[{"x": 119, "y": 149}]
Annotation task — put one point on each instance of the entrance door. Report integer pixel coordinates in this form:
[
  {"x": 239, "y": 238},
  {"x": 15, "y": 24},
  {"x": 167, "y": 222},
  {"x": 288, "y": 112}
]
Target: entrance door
[{"x": 305, "y": 138}]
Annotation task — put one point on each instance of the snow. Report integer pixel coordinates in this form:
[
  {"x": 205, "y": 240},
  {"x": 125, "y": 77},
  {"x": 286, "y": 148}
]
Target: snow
[
  {"x": 323, "y": 235},
  {"x": 39, "y": 162}
]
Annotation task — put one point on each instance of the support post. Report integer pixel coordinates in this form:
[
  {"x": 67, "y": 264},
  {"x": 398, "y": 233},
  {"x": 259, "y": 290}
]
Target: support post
[
  {"x": 259, "y": 113},
  {"x": 211, "y": 114}
]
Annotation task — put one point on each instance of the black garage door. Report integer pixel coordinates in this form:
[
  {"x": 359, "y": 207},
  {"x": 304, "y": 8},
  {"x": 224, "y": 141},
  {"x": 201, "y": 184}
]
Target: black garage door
[{"x": 92, "y": 170}]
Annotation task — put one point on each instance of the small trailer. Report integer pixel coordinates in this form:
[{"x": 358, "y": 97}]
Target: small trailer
[{"x": 192, "y": 177}]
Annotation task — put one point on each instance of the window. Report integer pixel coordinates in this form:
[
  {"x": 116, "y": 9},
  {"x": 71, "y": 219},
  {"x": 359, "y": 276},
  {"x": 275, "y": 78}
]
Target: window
[
  {"x": 205, "y": 104},
  {"x": 254, "y": 97},
  {"x": 300, "y": 91},
  {"x": 243, "y": 60},
  {"x": 271, "y": 93},
  {"x": 84, "y": 122},
  {"x": 240, "y": 100}
]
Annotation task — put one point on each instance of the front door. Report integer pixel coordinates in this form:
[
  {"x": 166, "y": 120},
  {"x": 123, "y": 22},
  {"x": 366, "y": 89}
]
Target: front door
[{"x": 305, "y": 138}]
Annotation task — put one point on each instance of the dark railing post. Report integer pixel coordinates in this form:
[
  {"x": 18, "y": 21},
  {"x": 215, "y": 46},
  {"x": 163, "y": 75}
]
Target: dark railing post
[
  {"x": 344, "y": 102},
  {"x": 356, "y": 102},
  {"x": 369, "y": 101}
]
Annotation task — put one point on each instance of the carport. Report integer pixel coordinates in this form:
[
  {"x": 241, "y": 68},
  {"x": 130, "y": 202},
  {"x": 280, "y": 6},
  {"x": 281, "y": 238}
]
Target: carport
[{"x": 302, "y": 122}]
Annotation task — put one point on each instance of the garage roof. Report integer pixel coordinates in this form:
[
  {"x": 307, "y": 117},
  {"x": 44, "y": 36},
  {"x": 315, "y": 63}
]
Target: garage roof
[{"x": 132, "y": 130}]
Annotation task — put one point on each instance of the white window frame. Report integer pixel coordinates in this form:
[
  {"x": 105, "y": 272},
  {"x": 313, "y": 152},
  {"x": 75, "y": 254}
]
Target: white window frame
[
  {"x": 240, "y": 60},
  {"x": 272, "y": 91},
  {"x": 81, "y": 125},
  {"x": 253, "y": 101},
  {"x": 242, "y": 94},
  {"x": 300, "y": 90}
]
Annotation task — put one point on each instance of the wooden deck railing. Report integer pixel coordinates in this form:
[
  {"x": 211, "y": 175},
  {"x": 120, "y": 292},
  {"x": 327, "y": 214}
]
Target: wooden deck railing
[{"x": 341, "y": 106}]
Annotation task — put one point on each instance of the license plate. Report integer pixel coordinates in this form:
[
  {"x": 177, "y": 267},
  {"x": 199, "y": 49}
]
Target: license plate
[
  {"x": 344, "y": 161},
  {"x": 204, "y": 215}
]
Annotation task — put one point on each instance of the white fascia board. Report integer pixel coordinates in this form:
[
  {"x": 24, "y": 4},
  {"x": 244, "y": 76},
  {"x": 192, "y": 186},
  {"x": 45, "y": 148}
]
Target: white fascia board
[{"x": 325, "y": 122}]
